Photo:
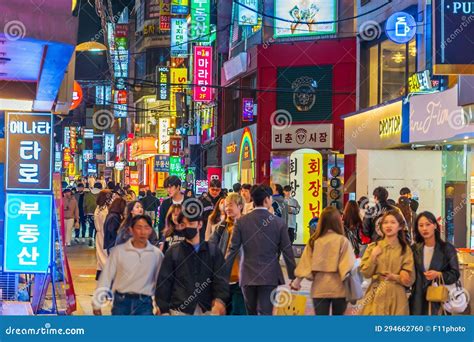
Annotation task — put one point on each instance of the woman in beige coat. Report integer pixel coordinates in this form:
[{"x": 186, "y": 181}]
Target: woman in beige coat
[
  {"x": 389, "y": 264},
  {"x": 327, "y": 259}
]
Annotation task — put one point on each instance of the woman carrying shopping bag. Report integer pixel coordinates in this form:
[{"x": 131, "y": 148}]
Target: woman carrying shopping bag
[{"x": 327, "y": 259}]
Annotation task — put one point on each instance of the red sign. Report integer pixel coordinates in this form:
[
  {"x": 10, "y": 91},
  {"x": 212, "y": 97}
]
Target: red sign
[
  {"x": 121, "y": 96},
  {"x": 165, "y": 22},
  {"x": 121, "y": 31},
  {"x": 214, "y": 173},
  {"x": 202, "y": 74},
  {"x": 76, "y": 96},
  {"x": 175, "y": 146}
]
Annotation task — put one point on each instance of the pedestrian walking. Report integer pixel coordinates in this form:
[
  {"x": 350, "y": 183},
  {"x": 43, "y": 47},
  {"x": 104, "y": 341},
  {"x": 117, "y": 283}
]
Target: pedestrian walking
[
  {"x": 326, "y": 261},
  {"x": 209, "y": 201},
  {"x": 234, "y": 206},
  {"x": 90, "y": 204},
  {"x": 373, "y": 215},
  {"x": 131, "y": 272},
  {"x": 261, "y": 238},
  {"x": 71, "y": 214},
  {"x": 409, "y": 215},
  {"x": 245, "y": 193},
  {"x": 112, "y": 222},
  {"x": 79, "y": 196},
  {"x": 389, "y": 264},
  {"x": 173, "y": 232},
  {"x": 406, "y": 192},
  {"x": 434, "y": 258},
  {"x": 353, "y": 227},
  {"x": 279, "y": 206},
  {"x": 217, "y": 217},
  {"x": 124, "y": 233},
  {"x": 104, "y": 200},
  {"x": 150, "y": 205},
  {"x": 293, "y": 210},
  {"x": 192, "y": 279},
  {"x": 172, "y": 185}
]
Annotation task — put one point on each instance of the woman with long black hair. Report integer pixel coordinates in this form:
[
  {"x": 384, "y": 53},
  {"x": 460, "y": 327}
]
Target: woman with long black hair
[{"x": 433, "y": 258}]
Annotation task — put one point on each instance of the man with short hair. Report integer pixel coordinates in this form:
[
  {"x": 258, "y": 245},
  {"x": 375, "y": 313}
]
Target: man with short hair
[
  {"x": 279, "y": 205},
  {"x": 293, "y": 210},
  {"x": 406, "y": 192},
  {"x": 71, "y": 214},
  {"x": 90, "y": 203},
  {"x": 131, "y": 272},
  {"x": 209, "y": 201},
  {"x": 150, "y": 204},
  {"x": 237, "y": 187},
  {"x": 245, "y": 193},
  {"x": 80, "y": 196},
  {"x": 172, "y": 185},
  {"x": 371, "y": 224},
  {"x": 262, "y": 237},
  {"x": 192, "y": 279}
]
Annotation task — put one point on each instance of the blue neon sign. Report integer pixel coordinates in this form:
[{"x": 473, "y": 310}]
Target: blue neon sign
[
  {"x": 400, "y": 27},
  {"x": 28, "y": 233}
]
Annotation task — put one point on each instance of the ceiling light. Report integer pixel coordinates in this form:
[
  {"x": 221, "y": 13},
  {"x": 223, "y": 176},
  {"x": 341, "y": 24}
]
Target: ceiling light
[{"x": 398, "y": 58}]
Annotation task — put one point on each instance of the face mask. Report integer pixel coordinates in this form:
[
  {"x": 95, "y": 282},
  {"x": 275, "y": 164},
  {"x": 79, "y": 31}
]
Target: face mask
[{"x": 189, "y": 233}]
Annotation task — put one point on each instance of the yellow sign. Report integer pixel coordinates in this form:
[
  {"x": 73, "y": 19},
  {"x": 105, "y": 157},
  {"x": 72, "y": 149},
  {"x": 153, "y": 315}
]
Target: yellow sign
[
  {"x": 231, "y": 148},
  {"x": 390, "y": 126},
  {"x": 178, "y": 76}
]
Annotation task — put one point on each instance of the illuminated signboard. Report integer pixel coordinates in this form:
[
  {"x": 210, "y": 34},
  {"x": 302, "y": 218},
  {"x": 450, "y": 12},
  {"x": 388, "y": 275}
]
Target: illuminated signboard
[
  {"x": 121, "y": 96},
  {"x": 165, "y": 18},
  {"x": 163, "y": 142},
  {"x": 162, "y": 163},
  {"x": 202, "y": 74},
  {"x": 67, "y": 137},
  {"x": 306, "y": 181},
  {"x": 248, "y": 15},
  {"x": 77, "y": 96},
  {"x": 400, "y": 27},
  {"x": 103, "y": 95},
  {"x": 175, "y": 146},
  {"x": 179, "y": 76},
  {"x": 390, "y": 126},
  {"x": 200, "y": 28},
  {"x": 28, "y": 233},
  {"x": 247, "y": 109},
  {"x": 420, "y": 81},
  {"x": 109, "y": 143},
  {"x": 179, "y": 37},
  {"x": 29, "y": 151},
  {"x": 231, "y": 148},
  {"x": 179, "y": 6},
  {"x": 176, "y": 169},
  {"x": 302, "y": 17},
  {"x": 163, "y": 80},
  {"x": 87, "y": 155}
]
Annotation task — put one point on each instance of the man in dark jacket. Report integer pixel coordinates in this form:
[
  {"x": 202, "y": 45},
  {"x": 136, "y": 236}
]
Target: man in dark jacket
[
  {"x": 262, "y": 237},
  {"x": 79, "y": 196},
  {"x": 192, "y": 278},
  {"x": 209, "y": 200},
  {"x": 150, "y": 204},
  {"x": 372, "y": 219},
  {"x": 173, "y": 186},
  {"x": 406, "y": 192}
]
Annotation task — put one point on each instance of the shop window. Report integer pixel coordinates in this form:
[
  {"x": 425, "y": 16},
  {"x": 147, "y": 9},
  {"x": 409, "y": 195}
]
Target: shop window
[{"x": 387, "y": 66}]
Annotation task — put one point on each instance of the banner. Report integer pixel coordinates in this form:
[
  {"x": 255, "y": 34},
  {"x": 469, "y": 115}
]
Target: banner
[
  {"x": 248, "y": 16},
  {"x": 163, "y": 137},
  {"x": 179, "y": 6},
  {"x": 202, "y": 74},
  {"x": 179, "y": 76},
  {"x": 163, "y": 81},
  {"x": 200, "y": 28},
  {"x": 109, "y": 143},
  {"x": 179, "y": 37},
  {"x": 306, "y": 180},
  {"x": 162, "y": 163}
]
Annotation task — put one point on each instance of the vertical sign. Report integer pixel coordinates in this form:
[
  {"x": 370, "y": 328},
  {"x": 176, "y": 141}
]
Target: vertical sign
[
  {"x": 163, "y": 80},
  {"x": 200, "y": 29},
  {"x": 179, "y": 6},
  {"x": 163, "y": 142},
  {"x": 175, "y": 146},
  {"x": 29, "y": 151},
  {"x": 28, "y": 233},
  {"x": 67, "y": 137},
  {"x": 179, "y": 37},
  {"x": 202, "y": 74},
  {"x": 176, "y": 169},
  {"x": 109, "y": 143},
  {"x": 248, "y": 15},
  {"x": 306, "y": 180},
  {"x": 247, "y": 109},
  {"x": 162, "y": 163},
  {"x": 165, "y": 18},
  {"x": 179, "y": 77}
]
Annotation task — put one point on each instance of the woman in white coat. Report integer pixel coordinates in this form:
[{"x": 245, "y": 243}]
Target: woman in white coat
[{"x": 104, "y": 199}]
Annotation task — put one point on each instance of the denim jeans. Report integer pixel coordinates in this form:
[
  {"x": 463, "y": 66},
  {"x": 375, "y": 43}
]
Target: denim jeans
[{"x": 125, "y": 305}]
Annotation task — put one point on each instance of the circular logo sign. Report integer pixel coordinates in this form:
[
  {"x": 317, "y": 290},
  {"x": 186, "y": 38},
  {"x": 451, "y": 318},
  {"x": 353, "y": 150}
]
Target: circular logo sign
[
  {"x": 400, "y": 27},
  {"x": 76, "y": 96}
]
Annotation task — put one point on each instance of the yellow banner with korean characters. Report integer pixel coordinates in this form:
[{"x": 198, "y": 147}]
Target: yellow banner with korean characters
[{"x": 179, "y": 76}]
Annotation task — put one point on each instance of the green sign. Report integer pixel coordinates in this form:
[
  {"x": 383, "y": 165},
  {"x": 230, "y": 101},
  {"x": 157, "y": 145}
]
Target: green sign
[
  {"x": 200, "y": 28},
  {"x": 176, "y": 169}
]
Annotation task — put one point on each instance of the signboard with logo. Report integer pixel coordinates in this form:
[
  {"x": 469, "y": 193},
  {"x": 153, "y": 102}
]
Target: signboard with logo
[
  {"x": 202, "y": 74},
  {"x": 200, "y": 28},
  {"x": 178, "y": 76},
  {"x": 162, "y": 163},
  {"x": 248, "y": 15},
  {"x": 163, "y": 80},
  {"x": 453, "y": 29},
  {"x": 29, "y": 147},
  {"x": 179, "y": 37},
  {"x": 247, "y": 109},
  {"x": 311, "y": 96},
  {"x": 176, "y": 168},
  {"x": 179, "y": 6},
  {"x": 201, "y": 186},
  {"x": 28, "y": 233},
  {"x": 400, "y": 27},
  {"x": 76, "y": 96},
  {"x": 231, "y": 143},
  {"x": 435, "y": 117},
  {"x": 306, "y": 180},
  {"x": 87, "y": 155},
  {"x": 318, "y": 136},
  {"x": 109, "y": 143},
  {"x": 302, "y": 17},
  {"x": 421, "y": 81},
  {"x": 163, "y": 137}
]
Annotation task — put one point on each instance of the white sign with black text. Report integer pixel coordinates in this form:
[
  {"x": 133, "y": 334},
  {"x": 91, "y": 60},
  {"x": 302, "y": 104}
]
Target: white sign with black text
[{"x": 316, "y": 136}]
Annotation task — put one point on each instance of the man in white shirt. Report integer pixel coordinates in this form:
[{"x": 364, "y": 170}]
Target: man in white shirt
[{"x": 133, "y": 269}]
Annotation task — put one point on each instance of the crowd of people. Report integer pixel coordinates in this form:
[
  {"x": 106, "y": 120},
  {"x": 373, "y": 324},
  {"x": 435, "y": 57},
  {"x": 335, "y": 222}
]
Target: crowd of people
[{"x": 219, "y": 254}]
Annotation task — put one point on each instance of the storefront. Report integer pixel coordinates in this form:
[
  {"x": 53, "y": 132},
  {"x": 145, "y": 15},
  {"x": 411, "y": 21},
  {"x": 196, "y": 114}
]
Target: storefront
[
  {"x": 143, "y": 150},
  {"x": 238, "y": 156}
]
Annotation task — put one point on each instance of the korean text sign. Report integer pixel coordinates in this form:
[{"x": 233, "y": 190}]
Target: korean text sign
[
  {"x": 306, "y": 180},
  {"x": 179, "y": 37},
  {"x": 28, "y": 233},
  {"x": 29, "y": 151},
  {"x": 202, "y": 74},
  {"x": 200, "y": 20}
]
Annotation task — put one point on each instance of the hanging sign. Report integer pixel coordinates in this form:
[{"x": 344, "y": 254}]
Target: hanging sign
[{"x": 202, "y": 74}]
